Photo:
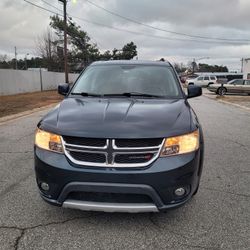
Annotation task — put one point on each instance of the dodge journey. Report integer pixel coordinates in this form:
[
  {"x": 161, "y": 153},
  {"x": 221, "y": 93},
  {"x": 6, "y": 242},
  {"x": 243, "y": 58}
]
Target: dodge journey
[{"x": 124, "y": 139}]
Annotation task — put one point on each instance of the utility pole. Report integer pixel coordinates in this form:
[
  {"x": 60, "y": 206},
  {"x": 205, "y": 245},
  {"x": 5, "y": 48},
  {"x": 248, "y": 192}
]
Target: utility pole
[
  {"x": 16, "y": 57},
  {"x": 241, "y": 70},
  {"x": 65, "y": 40}
]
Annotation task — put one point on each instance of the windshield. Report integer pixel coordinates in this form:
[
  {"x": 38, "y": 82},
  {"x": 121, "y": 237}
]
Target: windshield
[{"x": 119, "y": 79}]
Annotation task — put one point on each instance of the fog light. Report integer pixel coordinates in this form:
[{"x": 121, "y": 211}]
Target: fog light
[
  {"x": 44, "y": 186},
  {"x": 180, "y": 191}
]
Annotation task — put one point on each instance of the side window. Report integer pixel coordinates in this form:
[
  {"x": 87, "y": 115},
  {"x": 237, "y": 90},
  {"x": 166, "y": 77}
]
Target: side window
[
  {"x": 206, "y": 78},
  {"x": 247, "y": 82},
  {"x": 238, "y": 82},
  {"x": 248, "y": 76},
  {"x": 200, "y": 78},
  {"x": 212, "y": 77}
]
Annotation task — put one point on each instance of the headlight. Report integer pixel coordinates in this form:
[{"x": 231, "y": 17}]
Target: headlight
[
  {"x": 181, "y": 144},
  {"x": 48, "y": 141}
]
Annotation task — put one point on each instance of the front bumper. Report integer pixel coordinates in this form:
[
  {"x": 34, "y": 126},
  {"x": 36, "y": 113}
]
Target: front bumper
[{"x": 156, "y": 181}]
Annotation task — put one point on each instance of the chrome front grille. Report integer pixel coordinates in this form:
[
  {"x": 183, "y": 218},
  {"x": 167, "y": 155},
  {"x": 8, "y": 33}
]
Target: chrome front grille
[{"x": 112, "y": 152}]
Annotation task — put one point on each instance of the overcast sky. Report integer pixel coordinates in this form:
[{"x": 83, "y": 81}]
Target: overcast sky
[{"x": 21, "y": 23}]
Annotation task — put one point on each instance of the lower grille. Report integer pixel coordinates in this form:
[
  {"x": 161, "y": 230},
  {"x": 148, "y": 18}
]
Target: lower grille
[{"x": 109, "y": 197}]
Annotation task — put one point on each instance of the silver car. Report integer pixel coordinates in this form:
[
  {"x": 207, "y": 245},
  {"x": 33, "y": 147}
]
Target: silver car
[{"x": 234, "y": 86}]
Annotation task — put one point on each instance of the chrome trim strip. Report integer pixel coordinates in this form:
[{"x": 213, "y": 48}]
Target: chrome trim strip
[
  {"x": 135, "y": 153},
  {"x": 110, "y": 207},
  {"x": 131, "y": 148},
  {"x": 85, "y": 151}
]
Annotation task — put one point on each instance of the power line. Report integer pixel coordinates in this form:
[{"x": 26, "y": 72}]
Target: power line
[
  {"x": 156, "y": 36},
  {"x": 91, "y": 37},
  {"x": 51, "y": 5},
  {"x": 160, "y": 29},
  {"x": 40, "y": 7},
  {"x": 140, "y": 33},
  {"x": 68, "y": 17}
]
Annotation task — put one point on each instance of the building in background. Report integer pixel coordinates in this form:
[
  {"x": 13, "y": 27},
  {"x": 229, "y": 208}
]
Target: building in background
[{"x": 246, "y": 68}]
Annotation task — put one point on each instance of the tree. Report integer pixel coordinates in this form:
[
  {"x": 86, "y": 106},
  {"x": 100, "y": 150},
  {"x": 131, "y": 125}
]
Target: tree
[
  {"x": 4, "y": 64},
  {"x": 126, "y": 53},
  {"x": 203, "y": 67},
  {"x": 3, "y": 58},
  {"x": 129, "y": 51},
  {"x": 106, "y": 55},
  {"x": 80, "y": 47},
  {"x": 180, "y": 67},
  {"x": 81, "y": 50},
  {"x": 48, "y": 49}
]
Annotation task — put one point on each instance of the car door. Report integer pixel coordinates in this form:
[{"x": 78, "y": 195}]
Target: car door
[
  {"x": 213, "y": 79},
  {"x": 206, "y": 81},
  {"x": 246, "y": 87},
  {"x": 199, "y": 81},
  {"x": 235, "y": 86}
]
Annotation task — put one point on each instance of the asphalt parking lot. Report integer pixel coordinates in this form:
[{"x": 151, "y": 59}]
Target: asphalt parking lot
[{"x": 218, "y": 217}]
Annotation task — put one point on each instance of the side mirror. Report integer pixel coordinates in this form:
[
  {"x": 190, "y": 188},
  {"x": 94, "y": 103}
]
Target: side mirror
[
  {"x": 193, "y": 91},
  {"x": 63, "y": 89}
]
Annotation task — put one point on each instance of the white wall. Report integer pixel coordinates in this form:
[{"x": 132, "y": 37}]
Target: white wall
[
  {"x": 246, "y": 68},
  {"x": 22, "y": 81}
]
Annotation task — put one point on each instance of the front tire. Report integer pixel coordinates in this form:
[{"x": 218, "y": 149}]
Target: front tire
[{"x": 221, "y": 91}]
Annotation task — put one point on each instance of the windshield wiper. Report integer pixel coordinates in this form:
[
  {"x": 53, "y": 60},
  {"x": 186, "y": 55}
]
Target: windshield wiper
[
  {"x": 129, "y": 94},
  {"x": 86, "y": 94}
]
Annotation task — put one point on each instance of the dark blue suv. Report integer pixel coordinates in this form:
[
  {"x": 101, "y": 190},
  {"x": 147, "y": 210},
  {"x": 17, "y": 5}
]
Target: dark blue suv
[{"x": 124, "y": 139}]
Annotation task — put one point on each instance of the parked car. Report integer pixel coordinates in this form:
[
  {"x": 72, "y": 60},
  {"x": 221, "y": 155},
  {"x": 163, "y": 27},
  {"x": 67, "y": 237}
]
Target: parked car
[
  {"x": 124, "y": 139},
  {"x": 234, "y": 86},
  {"x": 203, "y": 81}
]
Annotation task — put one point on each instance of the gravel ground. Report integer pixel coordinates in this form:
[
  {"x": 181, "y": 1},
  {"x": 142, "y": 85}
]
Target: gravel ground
[{"x": 13, "y": 104}]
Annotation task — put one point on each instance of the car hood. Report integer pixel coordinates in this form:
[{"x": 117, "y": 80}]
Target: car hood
[{"x": 119, "y": 118}]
